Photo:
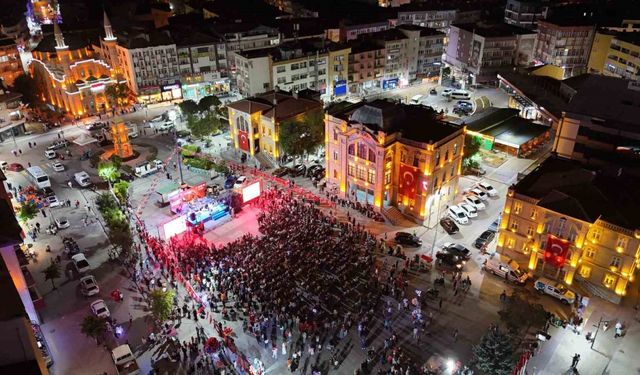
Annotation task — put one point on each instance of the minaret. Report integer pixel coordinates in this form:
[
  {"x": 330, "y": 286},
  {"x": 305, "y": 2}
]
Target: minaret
[
  {"x": 59, "y": 37},
  {"x": 108, "y": 32}
]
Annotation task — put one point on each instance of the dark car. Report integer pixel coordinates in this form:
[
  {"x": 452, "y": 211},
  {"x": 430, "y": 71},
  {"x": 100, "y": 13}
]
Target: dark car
[
  {"x": 433, "y": 92},
  {"x": 408, "y": 239},
  {"x": 449, "y": 226},
  {"x": 229, "y": 182},
  {"x": 281, "y": 172},
  {"x": 126, "y": 177},
  {"x": 297, "y": 170},
  {"x": 484, "y": 239},
  {"x": 457, "y": 249},
  {"x": 449, "y": 260},
  {"x": 48, "y": 192},
  {"x": 311, "y": 171}
]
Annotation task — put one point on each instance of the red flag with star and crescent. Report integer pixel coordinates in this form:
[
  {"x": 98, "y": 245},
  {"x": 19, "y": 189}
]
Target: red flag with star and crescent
[
  {"x": 408, "y": 181},
  {"x": 243, "y": 140}
]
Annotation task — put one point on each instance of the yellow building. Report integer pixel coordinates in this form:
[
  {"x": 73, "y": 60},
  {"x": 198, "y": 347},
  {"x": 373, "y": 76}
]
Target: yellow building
[
  {"x": 580, "y": 226},
  {"x": 616, "y": 54},
  {"x": 393, "y": 155},
  {"x": 255, "y": 121}
]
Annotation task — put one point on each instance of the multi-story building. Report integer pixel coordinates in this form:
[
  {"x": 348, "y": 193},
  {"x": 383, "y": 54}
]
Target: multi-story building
[
  {"x": 10, "y": 63},
  {"x": 565, "y": 43},
  {"x": 616, "y": 54},
  {"x": 576, "y": 225},
  {"x": 255, "y": 121},
  {"x": 245, "y": 36},
  {"x": 424, "y": 51},
  {"x": 71, "y": 75},
  {"x": 149, "y": 62},
  {"x": 13, "y": 25},
  {"x": 433, "y": 17},
  {"x": 351, "y": 30},
  {"x": 311, "y": 63},
  {"x": 396, "y": 63},
  {"x": 388, "y": 154},
  {"x": 366, "y": 65},
  {"x": 524, "y": 13},
  {"x": 477, "y": 52},
  {"x": 12, "y": 121},
  {"x": 599, "y": 123}
]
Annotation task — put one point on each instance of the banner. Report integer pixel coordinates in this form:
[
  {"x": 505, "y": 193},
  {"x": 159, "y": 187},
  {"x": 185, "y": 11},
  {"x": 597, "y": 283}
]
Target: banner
[
  {"x": 556, "y": 251},
  {"x": 408, "y": 181},
  {"x": 243, "y": 140}
]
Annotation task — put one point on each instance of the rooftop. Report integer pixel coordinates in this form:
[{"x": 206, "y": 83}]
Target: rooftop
[
  {"x": 387, "y": 35},
  {"x": 424, "y": 31},
  {"x": 293, "y": 49},
  {"x": 504, "y": 125},
  {"x": 543, "y": 91},
  {"x": 280, "y": 105},
  {"x": 414, "y": 122},
  {"x": 493, "y": 30},
  {"x": 364, "y": 45},
  {"x": 568, "y": 188},
  {"x": 144, "y": 39}
]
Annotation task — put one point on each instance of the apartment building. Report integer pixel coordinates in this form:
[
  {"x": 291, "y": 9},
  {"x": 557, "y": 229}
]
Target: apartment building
[
  {"x": 149, "y": 61},
  {"x": 255, "y": 121},
  {"x": 424, "y": 51},
  {"x": 307, "y": 64},
  {"x": 565, "y": 43},
  {"x": 396, "y": 64},
  {"x": 439, "y": 18},
  {"x": 616, "y": 54},
  {"x": 10, "y": 63},
  {"x": 245, "y": 36},
  {"x": 400, "y": 158},
  {"x": 524, "y": 13},
  {"x": 478, "y": 52},
  {"x": 575, "y": 225},
  {"x": 366, "y": 65},
  {"x": 351, "y": 30}
]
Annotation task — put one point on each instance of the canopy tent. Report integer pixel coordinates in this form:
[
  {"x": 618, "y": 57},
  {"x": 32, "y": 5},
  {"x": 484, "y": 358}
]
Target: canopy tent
[{"x": 84, "y": 139}]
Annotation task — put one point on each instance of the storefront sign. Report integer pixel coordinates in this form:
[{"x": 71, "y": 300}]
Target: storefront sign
[
  {"x": 556, "y": 251},
  {"x": 390, "y": 84},
  {"x": 340, "y": 88}
]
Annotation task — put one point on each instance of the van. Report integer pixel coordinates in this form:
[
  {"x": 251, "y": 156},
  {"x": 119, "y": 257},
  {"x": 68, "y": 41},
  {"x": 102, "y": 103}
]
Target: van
[
  {"x": 416, "y": 99},
  {"x": 506, "y": 268},
  {"x": 458, "y": 215},
  {"x": 555, "y": 289},
  {"x": 460, "y": 95},
  {"x": 82, "y": 178}
]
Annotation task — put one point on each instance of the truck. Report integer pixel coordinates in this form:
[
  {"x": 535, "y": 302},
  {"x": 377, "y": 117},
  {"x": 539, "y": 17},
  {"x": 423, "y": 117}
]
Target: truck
[
  {"x": 148, "y": 167},
  {"x": 82, "y": 178},
  {"x": 166, "y": 191},
  {"x": 125, "y": 361}
]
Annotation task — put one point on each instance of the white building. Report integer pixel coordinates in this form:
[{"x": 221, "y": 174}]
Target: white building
[{"x": 424, "y": 51}]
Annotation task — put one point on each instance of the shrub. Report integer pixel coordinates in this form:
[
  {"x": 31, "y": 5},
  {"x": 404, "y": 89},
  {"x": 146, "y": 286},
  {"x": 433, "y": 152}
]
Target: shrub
[
  {"x": 190, "y": 150},
  {"x": 199, "y": 163}
]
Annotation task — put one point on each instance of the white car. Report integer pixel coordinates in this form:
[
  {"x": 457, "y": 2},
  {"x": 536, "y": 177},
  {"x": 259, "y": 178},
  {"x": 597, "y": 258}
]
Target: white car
[
  {"x": 53, "y": 201},
  {"x": 481, "y": 194},
  {"x": 99, "y": 308},
  {"x": 62, "y": 222},
  {"x": 487, "y": 188},
  {"x": 241, "y": 180},
  {"x": 50, "y": 154},
  {"x": 81, "y": 263},
  {"x": 447, "y": 92},
  {"x": 57, "y": 166},
  {"x": 474, "y": 201},
  {"x": 89, "y": 286},
  {"x": 468, "y": 209}
]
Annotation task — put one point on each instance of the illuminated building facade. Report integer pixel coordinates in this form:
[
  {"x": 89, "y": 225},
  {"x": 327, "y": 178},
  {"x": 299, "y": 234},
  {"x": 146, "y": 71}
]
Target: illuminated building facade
[
  {"x": 576, "y": 225},
  {"x": 10, "y": 64},
  {"x": 394, "y": 155},
  {"x": 71, "y": 73},
  {"x": 255, "y": 121},
  {"x": 42, "y": 12}
]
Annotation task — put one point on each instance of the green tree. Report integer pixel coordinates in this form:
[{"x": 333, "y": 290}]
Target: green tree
[
  {"x": 292, "y": 136},
  {"x": 208, "y": 103},
  {"x": 26, "y": 85},
  {"x": 105, "y": 203},
  {"x": 121, "y": 189},
  {"x": 203, "y": 126},
  {"x": 51, "y": 273},
  {"x": 446, "y": 72},
  {"x": 494, "y": 354},
  {"x": 108, "y": 171},
  {"x": 121, "y": 239},
  {"x": 518, "y": 313},
  {"x": 189, "y": 107},
  {"x": 28, "y": 211},
  {"x": 471, "y": 146},
  {"x": 94, "y": 327},
  {"x": 314, "y": 124},
  {"x": 161, "y": 304},
  {"x": 118, "y": 93}
]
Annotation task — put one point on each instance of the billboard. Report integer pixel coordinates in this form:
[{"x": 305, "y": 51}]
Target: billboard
[
  {"x": 340, "y": 88},
  {"x": 174, "y": 226},
  {"x": 251, "y": 192},
  {"x": 390, "y": 83},
  {"x": 556, "y": 251}
]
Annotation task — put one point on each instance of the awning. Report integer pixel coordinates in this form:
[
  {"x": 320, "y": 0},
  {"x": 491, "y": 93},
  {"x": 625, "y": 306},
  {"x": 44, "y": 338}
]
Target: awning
[{"x": 84, "y": 139}]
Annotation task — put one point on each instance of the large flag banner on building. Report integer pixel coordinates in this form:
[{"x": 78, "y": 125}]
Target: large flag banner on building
[
  {"x": 556, "y": 251},
  {"x": 409, "y": 177},
  {"x": 243, "y": 140}
]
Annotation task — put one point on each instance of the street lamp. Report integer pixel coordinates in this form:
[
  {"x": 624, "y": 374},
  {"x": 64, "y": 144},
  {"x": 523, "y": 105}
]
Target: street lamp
[{"x": 435, "y": 236}]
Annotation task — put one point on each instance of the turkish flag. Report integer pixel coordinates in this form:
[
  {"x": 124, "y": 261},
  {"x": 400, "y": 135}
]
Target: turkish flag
[
  {"x": 243, "y": 140},
  {"x": 556, "y": 251},
  {"x": 408, "y": 181}
]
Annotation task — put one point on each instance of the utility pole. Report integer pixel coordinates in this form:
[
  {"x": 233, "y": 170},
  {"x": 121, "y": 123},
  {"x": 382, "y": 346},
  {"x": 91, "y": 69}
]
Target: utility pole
[
  {"x": 593, "y": 340},
  {"x": 435, "y": 236}
]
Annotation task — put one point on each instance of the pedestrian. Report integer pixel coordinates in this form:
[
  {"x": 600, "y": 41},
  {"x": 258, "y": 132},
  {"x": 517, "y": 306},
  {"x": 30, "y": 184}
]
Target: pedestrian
[
  {"x": 576, "y": 359},
  {"x": 274, "y": 350},
  {"x": 29, "y": 144},
  {"x": 38, "y": 227},
  {"x": 42, "y": 211},
  {"x": 503, "y": 296},
  {"x": 455, "y": 335},
  {"x": 20, "y": 151},
  {"x": 618, "y": 330},
  {"x": 70, "y": 184},
  {"x": 440, "y": 304}
]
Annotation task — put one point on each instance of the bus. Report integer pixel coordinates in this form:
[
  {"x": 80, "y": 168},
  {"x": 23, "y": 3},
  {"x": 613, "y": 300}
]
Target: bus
[{"x": 38, "y": 177}]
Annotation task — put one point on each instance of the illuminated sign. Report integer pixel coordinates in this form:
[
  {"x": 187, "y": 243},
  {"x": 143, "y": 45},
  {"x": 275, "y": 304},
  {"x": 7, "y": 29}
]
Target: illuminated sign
[
  {"x": 174, "y": 227},
  {"x": 251, "y": 192},
  {"x": 97, "y": 87}
]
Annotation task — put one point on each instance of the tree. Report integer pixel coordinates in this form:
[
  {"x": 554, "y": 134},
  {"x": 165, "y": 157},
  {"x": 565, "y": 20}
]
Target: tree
[
  {"x": 94, "y": 327},
  {"x": 471, "y": 146},
  {"x": 205, "y": 104},
  {"x": 120, "y": 189},
  {"x": 108, "y": 171},
  {"x": 292, "y": 136},
  {"x": 494, "y": 354},
  {"x": 518, "y": 313},
  {"x": 118, "y": 93},
  {"x": 26, "y": 85},
  {"x": 446, "y": 72},
  {"x": 314, "y": 122},
  {"x": 189, "y": 107},
  {"x": 51, "y": 273},
  {"x": 161, "y": 304},
  {"x": 105, "y": 203},
  {"x": 28, "y": 211},
  {"x": 121, "y": 239},
  {"x": 202, "y": 127}
]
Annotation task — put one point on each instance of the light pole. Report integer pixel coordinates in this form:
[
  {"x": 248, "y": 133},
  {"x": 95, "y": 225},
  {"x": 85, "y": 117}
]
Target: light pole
[{"x": 435, "y": 236}]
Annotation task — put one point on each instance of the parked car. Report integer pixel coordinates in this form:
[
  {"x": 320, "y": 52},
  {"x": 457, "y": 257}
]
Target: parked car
[
  {"x": 433, "y": 92},
  {"x": 239, "y": 181},
  {"x": 298, "y": 170},
  {"x": 81, "y": 263},
  {"x": 50, "y": 154},
  {"x": 312, "y": 170},
  {"x": 457, "y": 249},
  {"x": 89, "y": 286},
  {"x": 488, "y": 188},
  {"x": 408, "y": 239},
  {"x": 484, "y": 239},
  {"x": 447, "y": 92},
  {"x": 556, "y": 290},
  {"x": 477, "y": 171},
  {"x": 281, "y": 172},
  {"x": 506, "y": 268},
  {"x": 457, "y": 214},
  {"x": 15, "y": 167},
  {"x": 474, "y": 201},
  {"x": 99, "y": 308},
  {"x": 469, "y": 210},
  {"x": 56, "y": 145},
  {"x": 53, "y": 201},
  {"x": 494, "y": 225},
  {"x": 449, "y": 226},
  {"x": 481, "y": 194},
  {"x": 229, "y": 182},
  {"x": 61, "y": 222},
  {"x": 449, "y": 260},
  {"x": 57, "y": 166}
]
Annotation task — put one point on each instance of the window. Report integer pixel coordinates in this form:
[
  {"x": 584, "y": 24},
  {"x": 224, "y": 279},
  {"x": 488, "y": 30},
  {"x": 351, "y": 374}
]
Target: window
[
  {"x": 281, "y": 69},
  {"x": 621, "y": 244},
  {"x": 585, "y": 271},
  {"x": 534, "y": 214},
  {"x": 351, "y": 150},
  {"x": 455, "y": 149},
  {"x": 609, "y": 280},
  {"x": 352, "y": 170},
  {"x": 514, "y": 226},
  {"x": 371, "y": 176},
  {"x": 281, "y": 80},
  {"x": 416, "y": 159},
  {"x": 362, "y": 150},
  {"x": 438, "y": 157},
  {"x": 335, "y": 155},
  {"x": 547, "y": 227},
  {"x": 294, "y": 66},
  {"x": 335, "y": 135},
  {"x": 561, "y": 224},
  {"x": 362, "y": 173},
  {"x": 387, "y": 177},
  {"x": 335, "y": 173},
  {"x": 529, "y": 230},
  {"x": 372, "y": 156},
  {"x": 595, "y": 234},
  {"x": 511, "y": 242},
  {"x": 403, "y": 157},
  {"x": 517, "y": 208},
  {"x": 590, "y": 252},
  {"x": 616, "y": 262}
]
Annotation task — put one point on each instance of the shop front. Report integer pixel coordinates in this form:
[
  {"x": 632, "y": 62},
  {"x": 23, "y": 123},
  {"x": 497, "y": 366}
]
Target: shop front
[
  {"x": 171, "y": 92},
  {"x": 197, "y": 91}
]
